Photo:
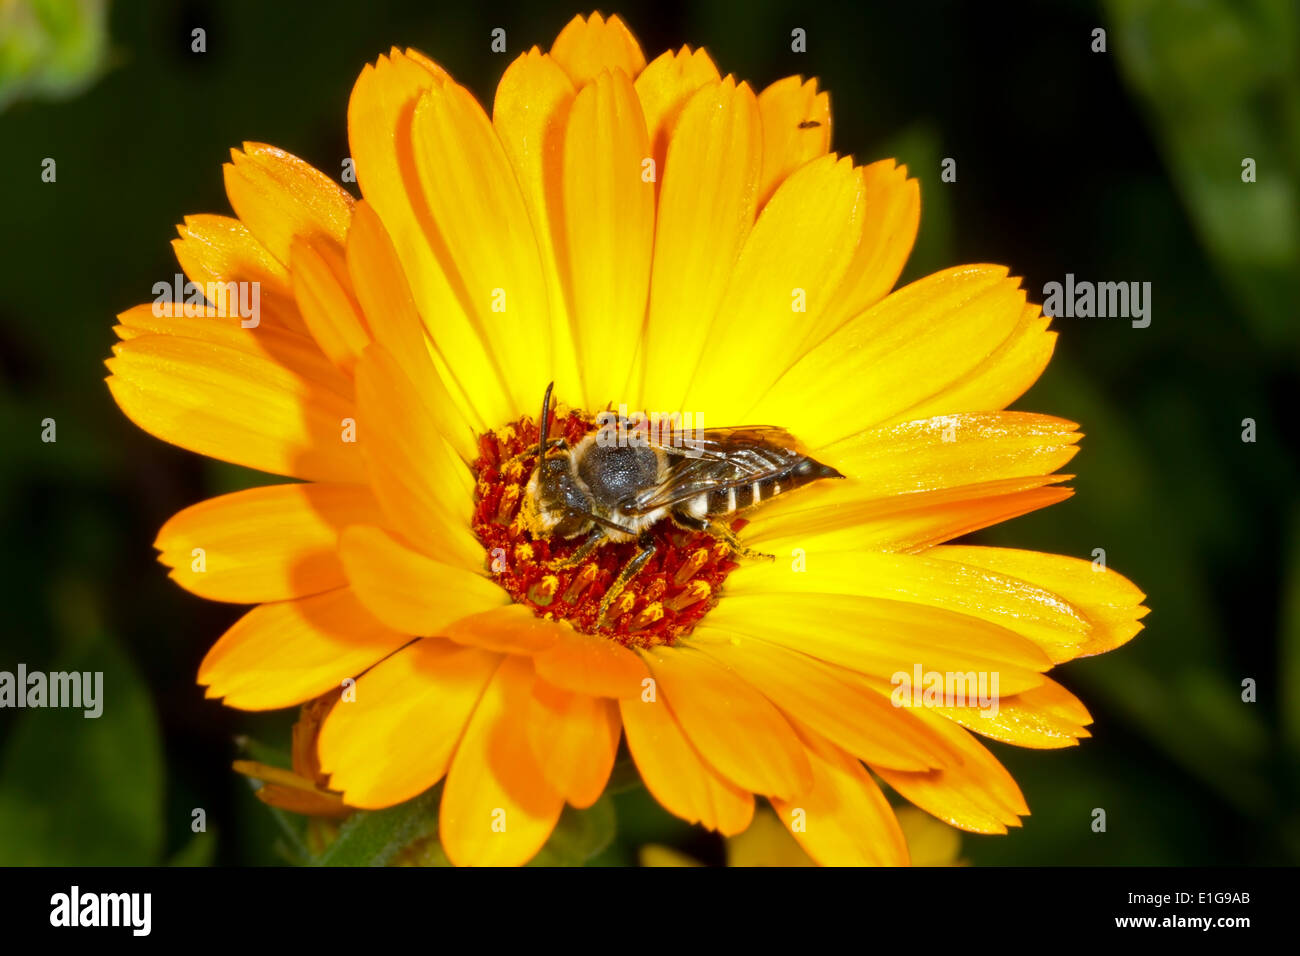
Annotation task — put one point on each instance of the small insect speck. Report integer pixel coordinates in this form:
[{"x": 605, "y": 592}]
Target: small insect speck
[{"x": 810, "y": 124}]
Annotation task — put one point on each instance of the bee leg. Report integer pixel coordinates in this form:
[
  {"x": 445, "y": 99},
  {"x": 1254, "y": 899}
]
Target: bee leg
[
  {"x": 719, "y": 530},
  {"x": 580, "y": 554},
  {"x": 635, "y": 564}
]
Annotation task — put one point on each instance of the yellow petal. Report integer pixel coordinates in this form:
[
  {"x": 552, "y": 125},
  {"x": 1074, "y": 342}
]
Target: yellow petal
[
  {"x": 976, "y": 795},
  {"x": 608, "y": 233},
  {"x": 497, "y": 806},
  {"x": 882, "y": 638},
  {"x": 1111, "y": 602},
  {"x": 821, "y": 518},
  {"x": 322, "y": 290},
  {"x": 414, "y": 474},
  {"x": 282, "y": 654},
  {"x": 484, "y": 240},
  {"x": 532, "y": 103},
  {"x": 408, "y": 591},
  {"x": 575, "y": 739},
  {"x": 706, "y": 210},
  {"x": 396, "y": 738},
  {"x": 844, "y": 820},
  {"x": 380, "y": 114},
  {"x": 588, "y": 664},
  {"x": 890, "y": 216},
  {"x": 854, "y": 717},
  {"x": 219, "y": 249},
  {"x": 734, "y": 727},
  {"x": 1044, "y": 617},
  {"x": 950, "y": 450},
  {"x": 765, "y": 843},
  {"x": 890, "y": 357},
  {"x": 796, "y": 129},
  {"x": 235, "y": 406},
  {"x": 792, "y": 262},
  {"x": 385, "y": 296},
  {"x": 999, "y": 379},
  {"x": 264, "y": 544},
  {"x": 675, "y": 773},
  {"x": 665, "y": 86},
  {"x": 1034, "y": 718},
  {"x": 296, "y": 352},
  {"x": 512, "y": 629},
  {"x": 587, "y": 46},
  {"x": 278, "y": 197}
]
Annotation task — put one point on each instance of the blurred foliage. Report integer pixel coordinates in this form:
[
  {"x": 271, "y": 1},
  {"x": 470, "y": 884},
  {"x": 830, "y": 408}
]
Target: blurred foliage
[
  {"x": 51, "y": 48},
  {"x": 1124, "y": 165}
]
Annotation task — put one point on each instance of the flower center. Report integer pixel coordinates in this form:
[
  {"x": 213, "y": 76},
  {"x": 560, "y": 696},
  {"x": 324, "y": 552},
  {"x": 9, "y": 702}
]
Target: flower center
[{"x": 664, "y": 601}]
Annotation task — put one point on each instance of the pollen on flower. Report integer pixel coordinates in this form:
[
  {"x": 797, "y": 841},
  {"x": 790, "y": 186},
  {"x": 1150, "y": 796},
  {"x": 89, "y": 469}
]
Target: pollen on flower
[{"x": 666, "y": 599}]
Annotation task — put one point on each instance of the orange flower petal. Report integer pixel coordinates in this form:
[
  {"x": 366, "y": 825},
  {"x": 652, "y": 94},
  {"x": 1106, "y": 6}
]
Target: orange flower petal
[
  {"x": 976, "y": 795},
  {"x": 282, "y": 654},
  {"x": 408, "y": 591},
  {"x": 497, "y": 807},
  {"x": 844, "y": 819},
  {"x": 675, "y": 773},
  {"x": 854, "y": 717},
  {"x": 706, "y": 210},
  {"x": 796, "y": 129},
  {"x": 893, "y": 355},
  {"x": 904, "y": 522},
  {"x": 396, "y": 738},
  {"x": 665, "y": 86},
  {"x": 418, "y": 480},
  {"x": 608, "y": 233},
  {"x": 480, "y": 229},
  {"x": 322, "y": 290},
  {"x": 734, "y": 727},
  {"x": 792, "y": 262},
  {"x": 529, "y": 114},
  {"x": 219, "y": 249},
  {"x": 234, "y": 406},
  {"x": 999, "y": 379},
  {"x": 891, "y": 216},
  {"x": 587, "y": 664},
  {"x": 882, "y": 638},
  {"x": 575, "y": 739},
  {"x": 278, "y": 197},
  {"x": 587, "y": 46},
  {"x": 512, "y": 629},
  {"x": 380, "y": 114},
  {"x": 264, "y": 544},
  {"x": 1111, "y": 602},
  {"x": 385, "y": 296}
]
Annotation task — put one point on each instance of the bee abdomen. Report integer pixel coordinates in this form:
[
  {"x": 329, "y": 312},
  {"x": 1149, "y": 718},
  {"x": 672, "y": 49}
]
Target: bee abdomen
[{"x": 724, "y": 501}]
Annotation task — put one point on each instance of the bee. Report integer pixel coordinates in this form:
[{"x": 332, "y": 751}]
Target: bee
[{"x": 619, "y": 492}]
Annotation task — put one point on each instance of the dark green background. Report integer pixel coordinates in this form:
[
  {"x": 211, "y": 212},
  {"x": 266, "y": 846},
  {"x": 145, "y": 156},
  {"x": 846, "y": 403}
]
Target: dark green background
[{"x": 1120, "y": 166}]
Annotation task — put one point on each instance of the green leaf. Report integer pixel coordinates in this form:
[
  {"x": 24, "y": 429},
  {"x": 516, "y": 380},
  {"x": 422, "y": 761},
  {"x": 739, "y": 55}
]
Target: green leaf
[
  {"x": 85, "y": 791},
  {"x": 376, "y": 837},
  {"x": 579, "y": 835},
  {"x": 1220, "y": 80}
]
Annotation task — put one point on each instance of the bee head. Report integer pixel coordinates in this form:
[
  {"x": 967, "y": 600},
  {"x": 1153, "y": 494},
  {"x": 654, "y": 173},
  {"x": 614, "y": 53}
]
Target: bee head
[{"x": 553, "y": 504}]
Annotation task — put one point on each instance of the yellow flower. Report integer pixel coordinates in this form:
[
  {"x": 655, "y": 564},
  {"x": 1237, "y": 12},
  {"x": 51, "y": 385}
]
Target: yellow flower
[{"x": 660, "y": 236}]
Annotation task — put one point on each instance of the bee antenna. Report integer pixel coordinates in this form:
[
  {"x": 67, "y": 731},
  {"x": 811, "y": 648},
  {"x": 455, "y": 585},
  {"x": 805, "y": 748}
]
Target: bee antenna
[{"x": 545, "y": 420}]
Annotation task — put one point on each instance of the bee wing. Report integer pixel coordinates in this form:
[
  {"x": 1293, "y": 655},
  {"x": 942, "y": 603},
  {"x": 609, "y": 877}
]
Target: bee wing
[{"x": 715, "y": 460}]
